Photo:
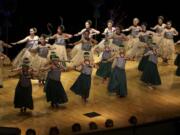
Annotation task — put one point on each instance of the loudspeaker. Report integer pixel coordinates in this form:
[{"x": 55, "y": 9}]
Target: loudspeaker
[{"x": 9, "y": 131}]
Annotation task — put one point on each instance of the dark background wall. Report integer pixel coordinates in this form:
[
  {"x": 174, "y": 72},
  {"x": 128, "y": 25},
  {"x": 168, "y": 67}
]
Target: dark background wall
[{"x": 17, "y": 16}]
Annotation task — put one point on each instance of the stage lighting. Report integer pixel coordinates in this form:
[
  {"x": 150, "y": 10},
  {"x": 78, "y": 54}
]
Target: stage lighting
[
  {"x": 54, "y": 131},
  {"x": 133, "y": 120},
  {"x": 109, "y": 123},
  {"x": 93, "y": 126},
  {"x": 30, "y": 132},
  {"x": 76, "y": 127}
]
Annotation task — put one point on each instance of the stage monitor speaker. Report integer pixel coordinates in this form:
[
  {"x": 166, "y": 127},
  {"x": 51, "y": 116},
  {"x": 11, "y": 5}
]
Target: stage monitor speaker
[{"x": 9, "y": 131}]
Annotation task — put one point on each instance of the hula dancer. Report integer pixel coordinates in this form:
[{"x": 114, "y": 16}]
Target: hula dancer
[
  {"x": 60, "y": 42},
  {"x": 105, "y": 64},
  {"x": 167, "y": 45},
  {"x": 3, "y": 57},
  {"x": 159, "y": 28},
  {"x": 52, "y": 55},
  {"x": 150, "y": 74},
  {"x": 31, "y": 42},
  {"x": 118, "y": 39},
  {"x": 108, "y": 32},
  {"x": 41, "y": 58},
  {"x": 86, "y": 46},
  {"x": 6, "y": 60},
  {"x": 55, "y": 92},
  {"x": 131, "y": 45},
  {"x": 83, "y": 83},
  {"x": 92, "y": 32},
  {"x": 118, "y": 81},
  {"x": 23, "y": 93}
]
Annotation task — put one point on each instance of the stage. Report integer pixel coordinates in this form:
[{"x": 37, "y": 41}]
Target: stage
[{"x": 146, "y": 104}]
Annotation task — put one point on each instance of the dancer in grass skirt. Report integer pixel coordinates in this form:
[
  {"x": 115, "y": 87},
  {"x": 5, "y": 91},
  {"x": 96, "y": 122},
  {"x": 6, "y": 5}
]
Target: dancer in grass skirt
[
  {"x": 144, "y": 59},
  {"x": 23, "y": 92},
  {"x": 55, "y": 92},
  {"x": 52, "y": 55},
  {"x": 108, "y": 32},
  {"x": 144, "y": 37},
  {"x": 167, "y": 45},
  {"x": 131, "y": 45},
  {"x": 3, "y": 58},
  {"x": 118, "y": 39},
  {"x": 41, "y": 58},
  {"x": 86, "y": 46},
  {"x": 6, "y": 60},
  {"x": 159, "y": 28},
  {"x": 31, "y": 42},
  {"x": 60, "y": 42},
  {"x": 118, "y": 81},
  {"x": 150, "y": 74},
  {"x": 92, "y": 31},
  {"x": 82, "y": 85},
  {"x": 105, "y": 64}
]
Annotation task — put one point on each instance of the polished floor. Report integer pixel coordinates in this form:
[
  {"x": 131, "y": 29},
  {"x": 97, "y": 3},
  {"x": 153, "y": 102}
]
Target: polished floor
[{"x": 148, "y": 105}]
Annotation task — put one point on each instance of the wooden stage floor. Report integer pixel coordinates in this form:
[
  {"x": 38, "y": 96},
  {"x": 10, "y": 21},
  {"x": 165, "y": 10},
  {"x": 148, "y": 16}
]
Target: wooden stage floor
[{"x": 148, "y": 105}]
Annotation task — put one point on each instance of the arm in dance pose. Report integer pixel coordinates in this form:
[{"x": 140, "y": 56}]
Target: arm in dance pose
[
  {"x": 88, "y": 24},
  {"x": 134, "y": 27},
  {"x": 31, "y": 37}
]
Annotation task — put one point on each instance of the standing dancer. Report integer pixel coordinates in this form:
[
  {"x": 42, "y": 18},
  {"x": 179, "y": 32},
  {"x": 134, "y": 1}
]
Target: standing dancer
[
  {"x": 150, "y": 74},
  {"x": 108, "y": 32},
  {"x": 83, "y": 83},
  {"x": 55, "y": 92},
  {"x": 159, "y": 28},
  {"x": 92, "y": 31},
  {"x": 60, "y": 42},
  {"x": 86, "y": 46},
  {"x": 23, "y": 93},
  {"x": 118, "y": 39},
  {"x": 118, "y": 81},
  {"x": 7, "y": 60},
  {"x": 105, "y": 64},
  {"x": 133, "y": 38},
  {"x": 41, "y": 58},
  {"x": 167, "y": 44},
  {"x": 145, "y": 37},
  {"x": 3, "y": 57},
  {"x": 31, "y": 42}
]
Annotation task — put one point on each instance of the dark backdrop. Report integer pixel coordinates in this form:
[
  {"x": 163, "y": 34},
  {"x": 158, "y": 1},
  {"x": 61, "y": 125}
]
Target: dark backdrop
[{"x": 17, "y": 16}]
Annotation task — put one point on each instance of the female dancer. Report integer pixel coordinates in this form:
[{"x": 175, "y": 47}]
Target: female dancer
[
  {"x": 23, "y": 93},
  {"x": 118, "y": 81},
  {"x": 7, "y": 60},
  {"x": 132, "y": 43},
  {"x": 150, "y": 74},
  {"x": 108, "y": 32},
  {"x": 105, "y": 64},
  {"x": 92, "y": 31},
  {"x": 3, "y": 58},
  {"x": 55, "y": 92},
  {"x": 31, "y": 42},
  {"x": 41, "y": 58},
  {"x": 60, "y": 42},
  {"x": 144, "y": 37},
  {"x": 159, "y": 28},
  {"x": 167, "y": 43},
  {"x": 86, "y": 46},
  {"x": 83, "y": 83}
]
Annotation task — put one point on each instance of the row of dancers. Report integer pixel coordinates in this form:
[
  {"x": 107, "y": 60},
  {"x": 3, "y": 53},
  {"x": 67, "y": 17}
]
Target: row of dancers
[
  {"x": 112, "y": 68},
  {"x": 114, "y": 36},
  {"x": 46, "y": 62}
]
